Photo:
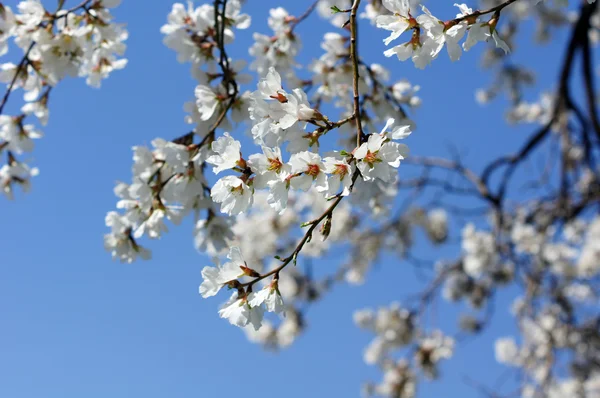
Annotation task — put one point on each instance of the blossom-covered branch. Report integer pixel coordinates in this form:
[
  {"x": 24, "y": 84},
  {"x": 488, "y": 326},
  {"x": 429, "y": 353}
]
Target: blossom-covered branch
[
  {"x": 261, "y": 192},
  {"x": 79, "y": 41}
]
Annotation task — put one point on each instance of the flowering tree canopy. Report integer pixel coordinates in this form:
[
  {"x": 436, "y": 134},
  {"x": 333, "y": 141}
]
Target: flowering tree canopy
[{"x": 287, "y": 162}]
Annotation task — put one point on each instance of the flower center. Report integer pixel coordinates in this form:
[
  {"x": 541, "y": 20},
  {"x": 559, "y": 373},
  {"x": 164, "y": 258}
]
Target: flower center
[
  {"x": 280, "y": 97},
  {"x": 340, "y": 170},
  {"x": 313, "y": 170},
  {"x": 371, "y": 157},
  {"x": 237, "y": 190},
  {"x": 275, "y": 165}
]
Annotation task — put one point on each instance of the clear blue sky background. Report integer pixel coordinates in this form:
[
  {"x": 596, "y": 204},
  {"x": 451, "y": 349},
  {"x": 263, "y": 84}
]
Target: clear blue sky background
[{"x": 75, "y": 324}]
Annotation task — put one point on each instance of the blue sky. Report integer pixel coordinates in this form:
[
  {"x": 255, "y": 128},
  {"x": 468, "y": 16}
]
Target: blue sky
[{"x": 75, "y": 324}]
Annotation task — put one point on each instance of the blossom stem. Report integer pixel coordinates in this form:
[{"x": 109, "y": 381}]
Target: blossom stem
[
  {"x": 20, "y": 67},
  {"x": 83, "y": 4},
  {"x": 359, "y": 136},
  {"x": 307, "y": 236},
  {"x": 355, "y": 75}
]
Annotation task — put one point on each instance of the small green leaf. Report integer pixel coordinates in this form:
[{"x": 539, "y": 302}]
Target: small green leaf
[{"x": 335, "y": 9}]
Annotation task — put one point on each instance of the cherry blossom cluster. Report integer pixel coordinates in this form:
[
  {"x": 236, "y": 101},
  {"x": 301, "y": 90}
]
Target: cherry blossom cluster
[
  {"x": 513, "y": 77},
  {"x": 167, "y": 184},
  {"x": 81, "y": 41},
  {"x": 569, "y": 256},
  {"x": 168, "y": 181},
  {"x": 543, "y": 336},
  {"x": 277, "y": 234},
  {"x": 244, "y": 307},
  {"x": 191, "y": 32},
  {"x": 278, "y": 50},
  {"x": 298, "y": 289},
  {"x": 430, "y": 34},
  {"x": 280, "y": 117},
  {"x": 395, "y": 329},
  {"x": 198, "y": 36},
  {"x": 332, "y": 80},
  {"x": 548, "y": 245},
  {"x": 331, "y": 74}
]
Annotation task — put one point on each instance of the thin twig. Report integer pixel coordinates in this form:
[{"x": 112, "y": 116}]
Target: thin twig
[
  {"x": 11, "y": 86},
  {"x": 302, "y": 17},
  {"x": 355, "y": 77}
]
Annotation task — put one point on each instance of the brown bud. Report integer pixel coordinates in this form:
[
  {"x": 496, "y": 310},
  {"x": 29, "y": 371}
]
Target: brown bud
[
  {"x": 249, "y": 271},
  {"x": 326, "y": 227}
]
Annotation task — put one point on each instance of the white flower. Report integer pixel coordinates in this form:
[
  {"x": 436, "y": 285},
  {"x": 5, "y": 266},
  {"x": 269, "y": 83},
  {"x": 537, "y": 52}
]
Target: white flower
[
  {"x": 340, "y": 174},
  {"x": 18, "y": 136},
  {"x": 212, "y": 235},
  {"x": 335, "y": 48},
  {"x": 279, "y": 192},
  {"x": 479, "y": 251},
  {"x": 7, "y": 24},
  {"x": 406, "y": 93},
  {"x": 31, "y": 14},
  {"x": 267, "y": 166},
  {"x": 264, "y": 130},
  {"x": 120, "y": 242},
  {"x": 398, "y": 133},
  {"x": 379, "y": 158},
  {"x": 16, "y": 173},
  {"x": 216, "y": 277},
  {"x": 39, "y": 109},
  {"x": 279, "y": 19},
  {"x": 270, "y": 87},
  {"x": 507, "y": 351},
  {"x": 283, "y": 108},
  {"x": 364, "y": 318},
  {"x": 482, "y": 32},
  {"x": 440, "y": 35},
  {"x": 299, "y": 108},
  {"x": 433, "y": 349},
  {"x": 153, "y": 226},
  {"x": 464, "y": 10},
  {"x": 235, "y": 17},
  {"x": 240, "y": 312},
  {"x": 271, "y": 297},
  {"x": 437, "y": 225},
  {"x": 207, "y": 101},
  {"x": 309, "y": 168},
  {"x": 588, "y": 264},
  {"x": 227, "y": 153},
  {"x": 421, "y": 49},
  {"x": 233, "y": 194},
  {"x": 398, "y": 22}
]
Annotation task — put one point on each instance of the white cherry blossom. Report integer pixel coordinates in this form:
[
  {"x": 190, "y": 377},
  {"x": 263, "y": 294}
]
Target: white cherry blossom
[
  {"x": 233, "y": 194},
  {"x": 227, "y": 153},
  {"x": 379, "y": 158},
  {"x": 214, "y": 278},
  {"x": 239, "y": 311},
  {"x": 308, "y": 169}
]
